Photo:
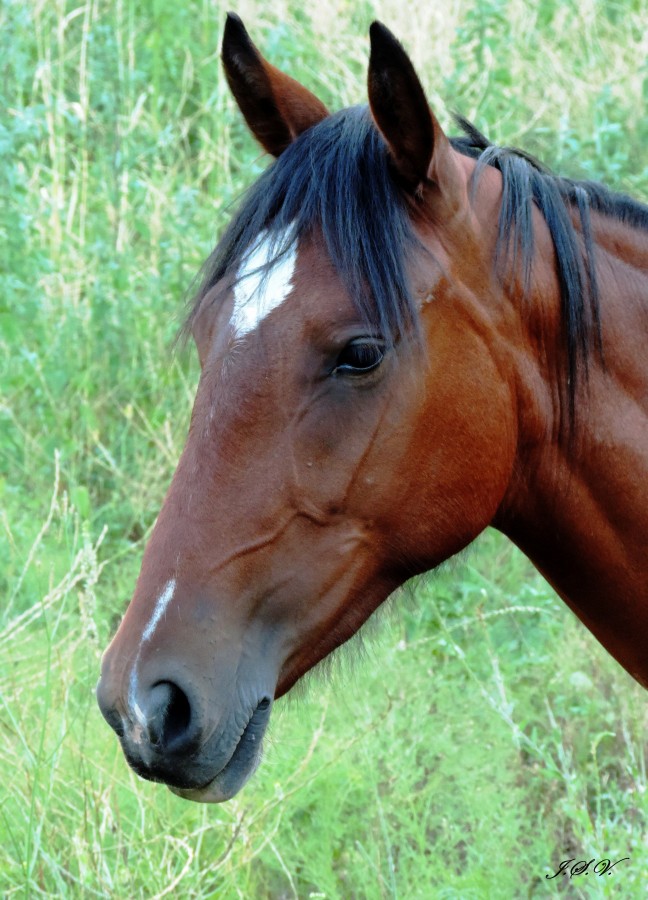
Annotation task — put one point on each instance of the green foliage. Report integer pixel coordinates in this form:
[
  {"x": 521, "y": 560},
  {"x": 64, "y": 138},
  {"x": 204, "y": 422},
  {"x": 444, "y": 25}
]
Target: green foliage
[{"x": 483, "y": 736}]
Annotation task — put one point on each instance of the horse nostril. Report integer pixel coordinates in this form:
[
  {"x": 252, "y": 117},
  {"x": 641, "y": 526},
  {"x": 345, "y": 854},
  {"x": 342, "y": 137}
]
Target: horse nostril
[{"x": 168, "y": 715}]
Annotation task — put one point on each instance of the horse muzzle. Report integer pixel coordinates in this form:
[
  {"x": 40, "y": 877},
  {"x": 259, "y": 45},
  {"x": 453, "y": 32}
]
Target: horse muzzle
[{"x": 171, "y": 733}]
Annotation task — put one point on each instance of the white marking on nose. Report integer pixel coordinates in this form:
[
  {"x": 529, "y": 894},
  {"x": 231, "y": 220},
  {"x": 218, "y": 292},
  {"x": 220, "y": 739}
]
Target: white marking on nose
[
  {"x": 261, "y": 284},
  {"x": 160, "y": 608},
  {"x": 136, "y": 709}
]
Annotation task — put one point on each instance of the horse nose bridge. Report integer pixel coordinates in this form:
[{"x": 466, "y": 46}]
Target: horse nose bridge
[{"x": 212, "y": 516}]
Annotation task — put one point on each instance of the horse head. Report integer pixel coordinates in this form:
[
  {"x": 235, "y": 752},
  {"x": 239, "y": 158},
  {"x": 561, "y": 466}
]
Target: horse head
[{"x": 355, "y": 421}]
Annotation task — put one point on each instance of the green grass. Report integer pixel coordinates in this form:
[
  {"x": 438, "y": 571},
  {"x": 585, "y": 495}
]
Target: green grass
[{"x": 482, "y": 736}]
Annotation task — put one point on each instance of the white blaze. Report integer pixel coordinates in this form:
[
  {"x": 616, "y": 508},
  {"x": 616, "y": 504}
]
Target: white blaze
[
  {"x": 160, "y": 608},
  {"x": 261, "y": 284}
]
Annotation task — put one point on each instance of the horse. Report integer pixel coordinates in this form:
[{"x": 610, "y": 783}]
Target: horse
[{"x": 404, "y": 338}]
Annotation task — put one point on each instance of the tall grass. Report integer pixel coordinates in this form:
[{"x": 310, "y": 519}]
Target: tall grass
[{"x": 483, "y": 736}]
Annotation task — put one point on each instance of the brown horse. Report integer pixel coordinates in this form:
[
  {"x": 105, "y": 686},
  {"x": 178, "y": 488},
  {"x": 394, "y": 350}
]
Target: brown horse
[{"x": 404, "y": 338}]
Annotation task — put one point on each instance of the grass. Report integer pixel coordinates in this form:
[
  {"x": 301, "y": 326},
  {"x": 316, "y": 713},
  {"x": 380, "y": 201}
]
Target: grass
[{"x": 482, "y": 736}]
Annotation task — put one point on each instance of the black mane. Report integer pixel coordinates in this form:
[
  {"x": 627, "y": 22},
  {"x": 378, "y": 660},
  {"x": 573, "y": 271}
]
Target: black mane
[
  {"x": 337, "y": 176},
  {"x": 527, "y": 182}
]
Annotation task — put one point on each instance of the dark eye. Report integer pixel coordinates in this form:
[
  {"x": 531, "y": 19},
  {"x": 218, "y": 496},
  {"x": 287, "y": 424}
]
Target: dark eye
[{"x": 360, "y": 356}]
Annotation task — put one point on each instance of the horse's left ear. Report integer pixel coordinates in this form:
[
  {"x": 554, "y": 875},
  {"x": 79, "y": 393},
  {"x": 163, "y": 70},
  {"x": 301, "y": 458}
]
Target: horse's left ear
[
  {"x": 276, "y": 107},
  {"x": 400, "y": 110}
]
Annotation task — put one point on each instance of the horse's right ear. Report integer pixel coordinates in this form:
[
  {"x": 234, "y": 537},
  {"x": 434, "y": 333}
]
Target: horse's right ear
[
  {"x": 419, "y": 150},
  {"x": 276, "y": 107}
]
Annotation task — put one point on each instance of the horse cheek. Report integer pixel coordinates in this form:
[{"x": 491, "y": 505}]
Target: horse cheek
[{"x": 463, "y": 452}]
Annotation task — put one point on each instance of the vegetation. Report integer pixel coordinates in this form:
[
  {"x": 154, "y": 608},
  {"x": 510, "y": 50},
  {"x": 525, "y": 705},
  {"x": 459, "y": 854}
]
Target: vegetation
[{"x": 482, "y": 737}]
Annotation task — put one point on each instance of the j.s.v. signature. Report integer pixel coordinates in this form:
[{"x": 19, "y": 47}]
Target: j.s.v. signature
[{"x": 572, "y": 867}]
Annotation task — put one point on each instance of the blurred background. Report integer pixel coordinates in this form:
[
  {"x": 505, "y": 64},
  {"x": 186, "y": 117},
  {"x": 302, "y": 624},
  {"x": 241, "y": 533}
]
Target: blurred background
[{"x": 479, "y": 735}]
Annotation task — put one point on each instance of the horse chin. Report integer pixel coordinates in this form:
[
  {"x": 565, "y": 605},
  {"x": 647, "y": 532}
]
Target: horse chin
[
  {"x": 223, "y": 787},
  {"x": 242, "y": 764}
]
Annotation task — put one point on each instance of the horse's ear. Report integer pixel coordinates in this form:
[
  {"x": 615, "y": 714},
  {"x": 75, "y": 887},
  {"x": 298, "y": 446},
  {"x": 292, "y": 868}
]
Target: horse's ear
[
  {"x": 276, "y": 107},
  {"x": 400, "y": 109}
]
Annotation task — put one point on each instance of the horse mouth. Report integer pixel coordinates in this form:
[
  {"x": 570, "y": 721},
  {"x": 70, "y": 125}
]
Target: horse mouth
[{"x": 241, "y": 765}]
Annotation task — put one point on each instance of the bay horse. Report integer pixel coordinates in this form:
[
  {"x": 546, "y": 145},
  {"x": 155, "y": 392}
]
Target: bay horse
[{"x": 403, "y": 339}]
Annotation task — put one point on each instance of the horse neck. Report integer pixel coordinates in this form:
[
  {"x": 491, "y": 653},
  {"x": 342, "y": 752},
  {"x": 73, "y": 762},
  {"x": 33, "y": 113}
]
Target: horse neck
[{"x": 578, "y": 506}]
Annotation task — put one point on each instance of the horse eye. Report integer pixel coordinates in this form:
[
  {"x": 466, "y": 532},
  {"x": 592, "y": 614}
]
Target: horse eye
[{"x": 360, "y": 356}]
